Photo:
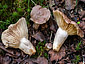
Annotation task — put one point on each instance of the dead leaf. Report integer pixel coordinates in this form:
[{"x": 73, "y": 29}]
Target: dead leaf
[
  {"x": 1, "y": 59},
  {"x": 70, "y": 4},
  {"x": 15, "y": 53},
  {"x": 1, "y": 47},
  {"x": 52, "y": 27},
  {"x": 6, "y": 60},
  {"x": 82, "y": 0},
  {"x": 44, "y": 26},
  {"x": 83, "y": 19},
  {"x": 39, "y": 36},
  {"x": 80, "y": 62},
  {"x": 83, "y": 41},
  {"x": 61, "y": 62},
  {"x": 42, "y": 60},
  {"x": 39, "y": 60},
  {"x": 30, "y": 62},
  {"x": 81, "y": 13},
  {"x": 72, "y": 48},
  {"x": 82, "y": 26},
  {"x": 57, "y": 55}
]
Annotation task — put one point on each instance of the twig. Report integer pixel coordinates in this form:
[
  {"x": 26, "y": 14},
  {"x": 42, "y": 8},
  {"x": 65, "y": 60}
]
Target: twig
[
  {"x": 71, "y": 54},
  {"x": 83, "y": 59},
  {"x": 33, "y": 2},
  {"x": 6, "y": 50},
  {"x": 51, "y": 4},
  {"x": 51, "y": 36}
]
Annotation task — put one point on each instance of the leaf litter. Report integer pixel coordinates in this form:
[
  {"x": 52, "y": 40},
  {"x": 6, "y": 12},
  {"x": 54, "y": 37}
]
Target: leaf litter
[{"x": 16, "y": 56}]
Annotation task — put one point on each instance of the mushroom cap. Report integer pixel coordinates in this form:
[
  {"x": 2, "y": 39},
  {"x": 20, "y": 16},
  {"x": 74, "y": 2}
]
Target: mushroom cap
[
  {"x": 66, "y": 24},
  {"x": 40, "y": 15},
  {"x": 11, "y": 37}
]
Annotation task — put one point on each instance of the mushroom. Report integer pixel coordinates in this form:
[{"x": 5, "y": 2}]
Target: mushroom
[
  {"x": 16, "y": 36},
  {"x": 66, "y": 27},
  {"x": 39, "y": 15},
  {"x": 48, "y": 46}
]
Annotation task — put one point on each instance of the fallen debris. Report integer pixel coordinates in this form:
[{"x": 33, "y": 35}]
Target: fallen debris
[
  {"x": 70, "y": 4},
  {"x": 39, "y": 36},
  {"x": 57, "y": 55}
]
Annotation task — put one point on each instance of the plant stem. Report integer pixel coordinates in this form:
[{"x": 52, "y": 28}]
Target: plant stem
[
  {"x": 33, "y": 2},
  {"x": 28, "y": 3}
]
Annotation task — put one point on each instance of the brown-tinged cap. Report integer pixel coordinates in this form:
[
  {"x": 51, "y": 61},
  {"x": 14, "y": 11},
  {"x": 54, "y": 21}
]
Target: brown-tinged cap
[
  {"x": 40, "y": 15},
  {"x": 16, "y": 36},
  {"x": 66, "y": 24},
  {"x": 11, "y": 37}
]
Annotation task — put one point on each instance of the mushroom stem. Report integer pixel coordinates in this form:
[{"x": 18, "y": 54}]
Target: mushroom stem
[
  {"x": 59, "y": 39},
  {"x": 26, "y": 46},
  {"x": 36, "y": 26}
]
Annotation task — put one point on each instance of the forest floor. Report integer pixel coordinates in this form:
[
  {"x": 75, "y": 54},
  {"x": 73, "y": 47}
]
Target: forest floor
[{"x": 71, "y": 52}]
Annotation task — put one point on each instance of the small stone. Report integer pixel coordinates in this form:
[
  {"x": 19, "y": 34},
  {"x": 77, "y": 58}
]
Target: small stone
[{"x": 48, "y": 46}]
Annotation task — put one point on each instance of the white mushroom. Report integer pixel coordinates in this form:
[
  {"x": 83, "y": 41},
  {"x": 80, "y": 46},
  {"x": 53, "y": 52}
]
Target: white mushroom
[
  {"x": 66, "y": 27},
  {"x": 16, "y": 36}
]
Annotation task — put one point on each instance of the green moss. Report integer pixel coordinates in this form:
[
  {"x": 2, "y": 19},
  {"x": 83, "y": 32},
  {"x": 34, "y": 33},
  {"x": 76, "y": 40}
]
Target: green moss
[
  {"x": 77, "y": 58},
  {"x": 40, "y": 50},
  {"x": 46, "y": 55},
  {"x": 28, "y": 10},
  {"x": 78, "y": 46},
  {"x": 14, "y": 14},
  {"x": 5, "y": 6},
  {"x": 11, "y": 11},
  {"x": 19, "y": 9}
]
